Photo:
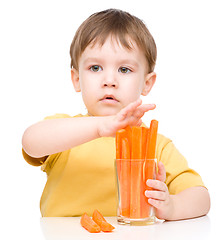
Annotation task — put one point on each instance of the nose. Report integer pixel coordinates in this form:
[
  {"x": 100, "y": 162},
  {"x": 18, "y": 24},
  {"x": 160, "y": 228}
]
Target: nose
[{"x": 110, "y": 81}]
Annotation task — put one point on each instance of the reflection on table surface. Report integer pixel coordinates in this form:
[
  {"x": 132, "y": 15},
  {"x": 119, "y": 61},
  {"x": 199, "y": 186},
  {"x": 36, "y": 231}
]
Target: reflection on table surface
[{"x": 70, "y": 228}]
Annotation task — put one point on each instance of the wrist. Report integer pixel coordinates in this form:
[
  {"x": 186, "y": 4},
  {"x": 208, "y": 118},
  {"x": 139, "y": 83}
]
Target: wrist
[
  {"x": 99, "y": 127},
  {"x": 172, "y": 213},
  {"x": 104, "y": 126}
]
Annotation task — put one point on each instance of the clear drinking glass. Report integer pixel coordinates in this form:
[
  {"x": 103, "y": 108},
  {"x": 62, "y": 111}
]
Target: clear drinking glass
[{"x": 133, "y": 206}]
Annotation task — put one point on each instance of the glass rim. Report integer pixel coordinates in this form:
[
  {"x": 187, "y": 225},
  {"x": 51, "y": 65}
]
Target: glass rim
[{"x": 131, "y": 159}]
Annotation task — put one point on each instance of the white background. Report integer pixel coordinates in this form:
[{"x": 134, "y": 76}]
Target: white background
[{"x": 35, "y": 82}]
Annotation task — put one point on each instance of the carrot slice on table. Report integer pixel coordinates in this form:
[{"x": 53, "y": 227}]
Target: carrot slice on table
[
  {"x": 100, "y": 220},
  {"x": 90, "y": 225},
  {"x": 136, "y": 172}
]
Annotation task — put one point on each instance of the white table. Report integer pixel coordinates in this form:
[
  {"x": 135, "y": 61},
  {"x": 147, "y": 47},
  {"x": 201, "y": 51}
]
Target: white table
[{"x": 70, "y": 228}]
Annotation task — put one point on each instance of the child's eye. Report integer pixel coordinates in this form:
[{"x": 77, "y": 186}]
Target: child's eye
[
  {"x": 124, "y": 70},
  {"x": 95, "y": 68}
]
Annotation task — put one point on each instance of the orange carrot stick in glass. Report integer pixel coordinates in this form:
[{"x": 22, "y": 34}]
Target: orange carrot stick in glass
[
  {"x": 136, "y": 172},
  {"x": 152, "y": 139},
  {"x": 118, "y": 151},
  {"x": 125, "y": 178},
  {"x": 144, "y": 141},
  {"x": 123, "y": 169},
  {"x": 144, "y": 209},
  {"x": 150, "y": 165},
  {"x": 119, "y": 136},
  {"x": 150, "y": 170}
]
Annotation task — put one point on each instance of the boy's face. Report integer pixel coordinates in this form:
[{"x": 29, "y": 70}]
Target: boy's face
[{"x": 111, "y": 76}]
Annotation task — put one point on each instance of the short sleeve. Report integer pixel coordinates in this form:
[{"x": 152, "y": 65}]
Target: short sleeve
[
  {"x": 178, "y": 174},
  {"x": 46, "y": 161},
  {"x": 58, "y": 115},
  {"x": 33, "y": 161},
  {"x": 39, "y": 161}
]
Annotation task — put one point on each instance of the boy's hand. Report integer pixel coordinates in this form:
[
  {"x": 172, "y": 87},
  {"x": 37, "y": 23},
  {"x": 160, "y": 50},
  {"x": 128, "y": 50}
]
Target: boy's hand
[
  {"x": 130, "y": 115},
  {"x": 159, "y": 196}
]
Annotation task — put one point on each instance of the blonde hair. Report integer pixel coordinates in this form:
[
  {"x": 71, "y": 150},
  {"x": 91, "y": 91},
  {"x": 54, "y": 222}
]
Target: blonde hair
[{"x": 119, "y": 24}]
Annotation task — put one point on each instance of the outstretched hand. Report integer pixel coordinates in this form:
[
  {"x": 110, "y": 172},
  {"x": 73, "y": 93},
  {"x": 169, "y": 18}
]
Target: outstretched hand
[{"x": 130, "y": 115}]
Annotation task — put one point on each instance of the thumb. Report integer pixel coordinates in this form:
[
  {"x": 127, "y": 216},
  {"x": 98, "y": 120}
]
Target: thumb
[{"x": 161, "y": 174}]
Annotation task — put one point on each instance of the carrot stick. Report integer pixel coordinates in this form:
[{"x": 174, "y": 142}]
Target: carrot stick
[
  {"x": 119, "y": 136},
  {"x": 100, "y": 220},
  {"x": 150, "y": 165},
  {"x": 144, "y": 211},
  {"x": 125, "y": 178},
  {"x": 89, "y": 224},
  {"x": 136, "y": 172},
  {"x": 136, "y": 143},
  {"x": 144, "y": 141},
  {"x": 125, "y": 149},
  {"x": 150, "y": 169},
  {"x": 129, "y": 136},
  {"x": 123, "y": 169},
  {"x": 151, "y": 141}
]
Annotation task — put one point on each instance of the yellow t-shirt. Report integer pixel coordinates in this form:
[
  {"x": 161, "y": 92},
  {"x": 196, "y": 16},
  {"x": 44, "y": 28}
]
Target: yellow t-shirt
[{"x": 83, "y": 178}]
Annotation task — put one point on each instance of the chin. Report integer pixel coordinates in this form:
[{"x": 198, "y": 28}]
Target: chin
[{"x": 107, "y": 112}]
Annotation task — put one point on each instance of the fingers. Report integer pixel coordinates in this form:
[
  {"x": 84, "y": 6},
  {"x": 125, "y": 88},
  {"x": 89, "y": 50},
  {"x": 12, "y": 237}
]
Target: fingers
[
  {"x": 158, "y": 195},
  {"x": 135, "y": 110},
  {"x": 161, "y": 175},
  {"x": 156, "y": 203},
  {"x": 146, "y": 107},
  {"x": 130, "y": 115},
  {"x": 129, "y": 109},
  {"x": 159, "y": 192},
  {"x": 141, "y": 110},
  {"x": 157, "y": 185}
]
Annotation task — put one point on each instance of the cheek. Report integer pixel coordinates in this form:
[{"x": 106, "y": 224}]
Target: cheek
[
  {"x": 85, "y": 83},
  {"x": 133, "y": 89},
  {"x": 88, "y": 90}
]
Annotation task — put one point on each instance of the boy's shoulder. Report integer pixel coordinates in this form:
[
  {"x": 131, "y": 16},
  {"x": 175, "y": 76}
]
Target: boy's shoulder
[{"x": 161, "y": 139}]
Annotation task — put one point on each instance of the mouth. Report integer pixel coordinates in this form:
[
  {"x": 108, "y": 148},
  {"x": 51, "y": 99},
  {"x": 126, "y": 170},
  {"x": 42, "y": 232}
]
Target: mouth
[{"x": 109, "y": 99}]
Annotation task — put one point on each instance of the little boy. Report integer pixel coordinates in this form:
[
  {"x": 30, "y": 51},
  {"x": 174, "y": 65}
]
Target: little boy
[{"x": 113, "y": 57}]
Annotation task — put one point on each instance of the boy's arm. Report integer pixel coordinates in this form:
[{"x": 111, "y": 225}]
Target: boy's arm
[
  {"x": 57, "y": 135},
  {"x": 190, "y": 203}
]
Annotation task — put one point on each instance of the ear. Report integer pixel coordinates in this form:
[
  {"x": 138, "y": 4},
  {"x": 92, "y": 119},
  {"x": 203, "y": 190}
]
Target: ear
[
  {"x": 149, "y": 83},
  {"x": 75, "y": 79}
]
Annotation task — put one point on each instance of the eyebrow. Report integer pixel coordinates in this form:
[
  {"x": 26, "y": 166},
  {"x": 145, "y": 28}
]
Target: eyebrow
[
  {"x": 122, "y": 61},
  {"x": 92, "y": 59}
]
